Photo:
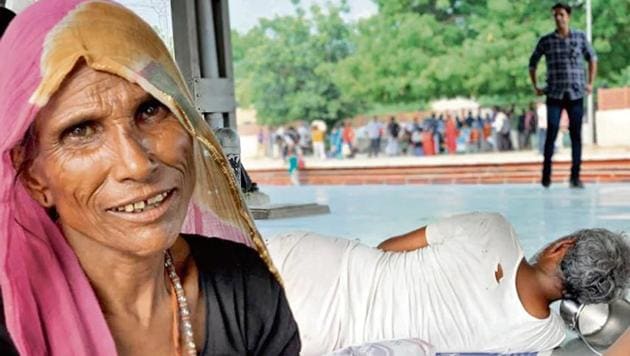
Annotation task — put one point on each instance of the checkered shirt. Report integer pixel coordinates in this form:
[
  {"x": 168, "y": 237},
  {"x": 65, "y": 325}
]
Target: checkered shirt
[{"x": 565, "y": 68}]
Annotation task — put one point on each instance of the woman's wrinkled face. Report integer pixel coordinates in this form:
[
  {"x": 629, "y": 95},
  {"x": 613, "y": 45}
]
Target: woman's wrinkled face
[{"x": 114, "y": 162}]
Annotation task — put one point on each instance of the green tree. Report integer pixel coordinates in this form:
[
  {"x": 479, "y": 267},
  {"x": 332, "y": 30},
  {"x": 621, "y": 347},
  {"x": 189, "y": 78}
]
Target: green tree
[
  {"x": 611, "y": 39},
  {"x": 285, "y": 66},
  {"x": 412, "y": 51},
  {"x": 241, "y": 43},
  {"x": 395, "y": 60},
  {"x": 496, "y": 57}
]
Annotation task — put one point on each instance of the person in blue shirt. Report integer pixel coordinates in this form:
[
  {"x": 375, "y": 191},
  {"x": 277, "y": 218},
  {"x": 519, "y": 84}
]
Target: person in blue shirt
[{"x": 567, "y": 84}]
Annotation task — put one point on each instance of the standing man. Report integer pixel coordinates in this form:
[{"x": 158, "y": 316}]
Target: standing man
[
  {"x": 393, "y": 130},
  {"x": 317, "y": 136},
  {"x": 566, "y": 86},
  {"x": 374, "y": 129}
]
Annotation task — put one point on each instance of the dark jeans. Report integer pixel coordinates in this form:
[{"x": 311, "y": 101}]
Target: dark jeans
[
  {"x": 375, "y": 147},
  {"x": 575, "y": 109}
]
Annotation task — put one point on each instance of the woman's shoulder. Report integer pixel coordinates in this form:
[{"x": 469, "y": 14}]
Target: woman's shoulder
[
  {"x": 215, "y": 243},
  {"x": 215, "y": 256},
  {"x": 245, "y": 303}
]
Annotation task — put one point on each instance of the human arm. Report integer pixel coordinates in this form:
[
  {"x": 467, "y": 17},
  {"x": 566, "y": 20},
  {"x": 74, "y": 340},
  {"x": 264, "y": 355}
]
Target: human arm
[
  {"x": 592, "y": 73},
  {"x": 270, "y": 328},
  {"x": 533, "y": 63},
  {"x": 461, "y": 227},
  {"x": 410, "y": 241},
  {"x": 532, "y": 77},
  {"x": 621, "y": 347},
  {"x": 279, "y": 335},
  {"x": 591, "y": 57}
]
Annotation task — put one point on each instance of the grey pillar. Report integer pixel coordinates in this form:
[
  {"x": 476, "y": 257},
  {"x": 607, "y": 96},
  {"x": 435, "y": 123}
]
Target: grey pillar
[
  {"x": 203, "y": 50},
  {"x": 201, "y": 35}
]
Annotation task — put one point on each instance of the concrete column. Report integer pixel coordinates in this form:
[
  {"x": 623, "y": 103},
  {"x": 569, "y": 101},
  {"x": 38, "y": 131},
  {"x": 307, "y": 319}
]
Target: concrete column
[
  {"x": 201, "y": 33},
  {"x": 588, "y": 131}
]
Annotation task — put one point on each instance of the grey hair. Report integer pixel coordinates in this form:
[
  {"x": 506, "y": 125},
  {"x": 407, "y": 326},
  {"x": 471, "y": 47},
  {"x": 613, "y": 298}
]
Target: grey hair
[{"x": 597, "y": 268}]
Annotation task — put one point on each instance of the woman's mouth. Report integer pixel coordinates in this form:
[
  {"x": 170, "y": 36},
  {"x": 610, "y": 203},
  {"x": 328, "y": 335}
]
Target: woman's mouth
[
  {"x": 143, "y": 205},
  {"x": 146, "y": 211}
]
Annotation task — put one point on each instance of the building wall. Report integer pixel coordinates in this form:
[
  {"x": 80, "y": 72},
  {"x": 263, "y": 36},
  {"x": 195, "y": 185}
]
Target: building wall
[
  {"x": 249, "y": 146},
  {"x": 613, "y": 99},
  {"x": 613, "y": 127},
  {"x": 612, "y": 119},
  {"x": 247, "y": 131}
]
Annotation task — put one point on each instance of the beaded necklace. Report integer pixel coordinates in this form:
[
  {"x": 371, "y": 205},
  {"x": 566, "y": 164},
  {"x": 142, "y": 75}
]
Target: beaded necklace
[{"x": 185, "y": 326}]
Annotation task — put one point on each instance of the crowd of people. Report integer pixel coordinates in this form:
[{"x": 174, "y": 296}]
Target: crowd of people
[{"x": 481, "y": 130}]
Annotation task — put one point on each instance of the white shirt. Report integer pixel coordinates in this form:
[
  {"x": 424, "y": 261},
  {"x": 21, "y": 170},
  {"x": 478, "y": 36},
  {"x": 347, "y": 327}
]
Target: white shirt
[
  {"x": 344, "y": 293},
  {"x": 499, "y": 121},
  {"x": 374, "y": 129}
]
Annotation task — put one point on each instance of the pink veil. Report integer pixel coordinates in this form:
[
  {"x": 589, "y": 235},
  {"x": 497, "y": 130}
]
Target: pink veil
[{"x": 49, "y": 305}]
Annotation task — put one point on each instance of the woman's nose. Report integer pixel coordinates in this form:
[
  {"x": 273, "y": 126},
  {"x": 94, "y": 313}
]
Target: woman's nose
[{"x": 136, "y": 160}]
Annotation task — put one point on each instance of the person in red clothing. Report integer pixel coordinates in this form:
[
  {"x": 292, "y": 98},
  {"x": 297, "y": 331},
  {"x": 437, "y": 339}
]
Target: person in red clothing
[
  {"x": 427, "y": 143},
  {"x": 348, "y": 139},
  {"x": 451, "y": 134}
]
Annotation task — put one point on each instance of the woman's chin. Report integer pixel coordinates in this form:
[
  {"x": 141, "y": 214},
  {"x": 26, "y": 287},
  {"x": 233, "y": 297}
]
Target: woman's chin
[
  {"x": 149, "y": 242},
  {"x": 148, "y": 239}
]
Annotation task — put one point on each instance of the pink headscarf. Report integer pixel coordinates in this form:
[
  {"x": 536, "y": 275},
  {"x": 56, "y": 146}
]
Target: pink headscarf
[{"x": 49, "y": 305}]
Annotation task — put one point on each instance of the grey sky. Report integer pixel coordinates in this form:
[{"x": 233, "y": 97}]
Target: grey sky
[{"x": 244, "y": 14}]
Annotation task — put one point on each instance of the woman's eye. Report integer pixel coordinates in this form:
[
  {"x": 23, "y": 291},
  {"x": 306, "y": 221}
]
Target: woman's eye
[
  {"x": 80, "y": 131},
  {"x": 151, "y": 110}
]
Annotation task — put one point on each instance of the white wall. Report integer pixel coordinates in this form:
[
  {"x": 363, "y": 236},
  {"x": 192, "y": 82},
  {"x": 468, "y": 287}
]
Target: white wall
[
  {"x": 249, "y": 145},
  {"x": 613, "y": 127}
]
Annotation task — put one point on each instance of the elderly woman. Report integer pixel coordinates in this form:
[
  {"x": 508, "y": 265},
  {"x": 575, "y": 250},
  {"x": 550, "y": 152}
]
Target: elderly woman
[
  {"x": 461, "y": 283},
  {"x": 104, "y": 163}
]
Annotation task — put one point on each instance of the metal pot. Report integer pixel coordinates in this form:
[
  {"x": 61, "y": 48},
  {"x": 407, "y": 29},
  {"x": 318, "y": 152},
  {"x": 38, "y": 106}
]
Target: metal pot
[{"x": 598, "y": 325}]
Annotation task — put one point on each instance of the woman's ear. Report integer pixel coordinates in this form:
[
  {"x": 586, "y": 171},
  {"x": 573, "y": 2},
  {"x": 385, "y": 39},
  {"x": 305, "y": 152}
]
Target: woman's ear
[{"x": 31, "y": 178}]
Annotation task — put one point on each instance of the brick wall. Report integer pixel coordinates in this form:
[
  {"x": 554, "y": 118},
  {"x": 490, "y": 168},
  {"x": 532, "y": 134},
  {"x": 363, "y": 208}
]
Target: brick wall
[
  {"x": 614, "y": 98},
  {"x": 601, "y": 171}
]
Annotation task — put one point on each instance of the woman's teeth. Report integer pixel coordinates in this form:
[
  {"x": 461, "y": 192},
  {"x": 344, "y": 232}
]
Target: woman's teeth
[{"x": 142, "y": 205}]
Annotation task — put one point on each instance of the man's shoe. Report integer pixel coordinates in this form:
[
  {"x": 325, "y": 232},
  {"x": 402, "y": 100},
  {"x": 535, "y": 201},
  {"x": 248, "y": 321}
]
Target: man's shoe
[
  {"x": 577, "y": 184},
  {"x": 545, "y": 182}
]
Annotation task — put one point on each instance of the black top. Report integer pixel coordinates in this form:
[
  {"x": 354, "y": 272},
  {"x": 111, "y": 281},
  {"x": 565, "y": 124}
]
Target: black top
[{"x": 247, "y": 310}]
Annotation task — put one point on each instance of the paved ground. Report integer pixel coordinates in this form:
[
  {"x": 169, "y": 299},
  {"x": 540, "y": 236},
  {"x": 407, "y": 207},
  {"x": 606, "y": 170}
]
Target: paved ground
[
  {"x": 371, "y": 213},
  {"x": 589, "y": 153},
  {"x": 600, "y": 165}
]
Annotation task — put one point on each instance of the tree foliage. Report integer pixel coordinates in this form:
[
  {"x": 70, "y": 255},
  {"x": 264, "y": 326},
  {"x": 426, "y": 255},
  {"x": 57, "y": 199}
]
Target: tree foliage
[
  {"x": 611, "y": 39},
  {"x": 285, "y": 66},
  {"x": 316, "y": 65}
]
